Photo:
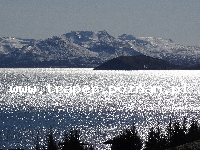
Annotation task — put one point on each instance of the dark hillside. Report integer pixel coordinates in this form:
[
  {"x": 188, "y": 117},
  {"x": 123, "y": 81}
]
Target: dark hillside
[{"x": 140, "y": 62}]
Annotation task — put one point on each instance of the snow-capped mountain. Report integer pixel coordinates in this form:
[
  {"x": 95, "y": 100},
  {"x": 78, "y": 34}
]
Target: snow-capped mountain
[
  {"x": 89, "y": 49},
  {"x": 102, "y": 43},
  {"x": 164, "y": 49}
]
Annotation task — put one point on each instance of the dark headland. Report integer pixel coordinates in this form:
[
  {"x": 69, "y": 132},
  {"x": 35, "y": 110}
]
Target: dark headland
[{"x": 141, "y": 62}]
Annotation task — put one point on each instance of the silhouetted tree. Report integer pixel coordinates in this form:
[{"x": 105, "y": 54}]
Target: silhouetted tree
[
  {"x": 175, "y": 134},
  {"x": 128, "y": 140},
  {"x": 169, "y": 134},
  {"x": 184, "y": 125},
  {"x": 156, "y": 140},
  {"x": 51, "y": 144},
  {"x": 193, "y": 132},
  {"x": 178, "y": 135},
  {"x": 184, "y": 131},
  {"x": 91, "y": 147},
  {"x": 71, "y": 141},
  {"x": 151, "y": 143}
]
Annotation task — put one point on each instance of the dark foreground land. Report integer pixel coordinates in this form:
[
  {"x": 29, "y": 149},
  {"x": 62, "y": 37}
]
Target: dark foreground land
[{"x": 175, "y": 136}]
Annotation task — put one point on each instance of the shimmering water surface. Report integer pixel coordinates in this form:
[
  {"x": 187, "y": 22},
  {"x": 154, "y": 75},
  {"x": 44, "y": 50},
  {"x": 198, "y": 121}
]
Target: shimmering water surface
[{"x": 98, "y": 103}]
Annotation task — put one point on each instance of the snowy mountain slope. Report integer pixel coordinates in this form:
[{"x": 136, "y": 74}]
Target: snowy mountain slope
[
  {"x": 10, "y": 44},
  {"x": 89, "y": 49},
  {"x": 164, "y": 49},
  {"x": 43, "y": 51},
  {"x": 101, "y": 42}
]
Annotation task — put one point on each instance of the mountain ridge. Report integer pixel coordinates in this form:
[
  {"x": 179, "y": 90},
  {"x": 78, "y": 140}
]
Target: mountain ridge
[{"x": 89, "y": 49}]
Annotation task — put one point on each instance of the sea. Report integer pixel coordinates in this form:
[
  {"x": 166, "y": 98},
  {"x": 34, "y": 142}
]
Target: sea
[{"x": 100, "y": 104}]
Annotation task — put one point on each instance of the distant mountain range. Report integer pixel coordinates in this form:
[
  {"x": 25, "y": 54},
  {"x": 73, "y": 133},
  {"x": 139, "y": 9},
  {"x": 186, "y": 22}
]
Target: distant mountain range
[{"x": 90, "y": 49}]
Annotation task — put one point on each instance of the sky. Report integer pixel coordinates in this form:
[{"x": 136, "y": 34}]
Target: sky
[{"x": 178, "y": 20}]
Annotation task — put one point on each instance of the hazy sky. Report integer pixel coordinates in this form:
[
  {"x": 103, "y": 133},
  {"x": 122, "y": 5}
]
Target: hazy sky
[{"x": 178, "y": 20}]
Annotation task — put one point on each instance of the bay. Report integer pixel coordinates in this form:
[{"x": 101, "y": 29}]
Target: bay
[{"x": 98, "y": 103}]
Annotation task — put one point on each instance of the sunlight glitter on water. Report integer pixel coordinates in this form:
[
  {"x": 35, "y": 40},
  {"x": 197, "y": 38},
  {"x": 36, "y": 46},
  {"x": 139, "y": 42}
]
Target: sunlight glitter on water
[{"x": 99, "y": 103}]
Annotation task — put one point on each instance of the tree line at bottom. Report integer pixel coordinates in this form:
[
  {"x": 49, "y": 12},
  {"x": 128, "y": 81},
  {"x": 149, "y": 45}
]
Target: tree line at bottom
[{"x": 176, "y": 133}]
